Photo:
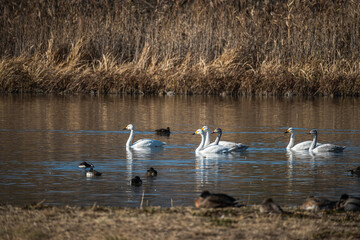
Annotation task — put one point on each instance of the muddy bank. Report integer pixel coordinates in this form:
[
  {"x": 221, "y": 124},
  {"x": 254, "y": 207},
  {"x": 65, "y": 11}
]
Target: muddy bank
[{"x": 48, "y": 222}]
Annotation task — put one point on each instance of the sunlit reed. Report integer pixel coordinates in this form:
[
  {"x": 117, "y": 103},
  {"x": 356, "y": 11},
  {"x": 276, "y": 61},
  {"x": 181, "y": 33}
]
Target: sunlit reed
[{"x": 192, "y": 47}]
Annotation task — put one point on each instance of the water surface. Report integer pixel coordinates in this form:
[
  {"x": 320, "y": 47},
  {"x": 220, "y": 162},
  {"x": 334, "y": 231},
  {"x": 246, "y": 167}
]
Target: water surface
[{"x": 44, "y": 138}]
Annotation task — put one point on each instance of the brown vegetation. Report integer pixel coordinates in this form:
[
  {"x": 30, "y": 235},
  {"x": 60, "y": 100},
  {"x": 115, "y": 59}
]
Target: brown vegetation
[
  {"x": 199, "y": 47},
  {"x": 44, "y": 222}
]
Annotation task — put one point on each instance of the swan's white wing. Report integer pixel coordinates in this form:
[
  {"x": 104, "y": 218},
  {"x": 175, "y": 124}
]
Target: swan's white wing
[
  {"x": 236, "y": 147},
  {"x": 303, "y": 146},
  {"x": 211, "y": 149},
  {"x": 146, "y": 143},
  {"x": 328, "y": 148}
]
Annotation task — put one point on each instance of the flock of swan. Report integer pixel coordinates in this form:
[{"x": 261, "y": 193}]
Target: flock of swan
[
  {"x": 311, "y": 146},
  {"x": 220, "y": 200},
  {"x": 223, "y": 147}
]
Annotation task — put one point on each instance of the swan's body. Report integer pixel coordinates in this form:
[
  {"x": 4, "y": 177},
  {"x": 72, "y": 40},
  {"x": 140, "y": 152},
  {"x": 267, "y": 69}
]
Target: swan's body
[
  {"x": 238, "y": 147},
  {"x": 142, "y": 143},
  {"x": 211, "y": 149},
  {"x": 323, "y": 147},
  {"x": 303, "y": 146}
]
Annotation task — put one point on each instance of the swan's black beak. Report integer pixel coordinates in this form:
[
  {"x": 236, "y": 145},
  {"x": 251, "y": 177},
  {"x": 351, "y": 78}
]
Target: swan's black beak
[
  {"x": 286, "y": 132},
  {"x": 193, "y": 133},
  {"x": 124, "y": 128}
]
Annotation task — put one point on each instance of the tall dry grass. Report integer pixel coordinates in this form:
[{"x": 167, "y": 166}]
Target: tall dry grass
[{"x": 200, "y": 47}]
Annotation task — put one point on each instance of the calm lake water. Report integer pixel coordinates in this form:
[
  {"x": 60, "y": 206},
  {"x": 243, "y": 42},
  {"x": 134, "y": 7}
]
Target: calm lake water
[{"x": 44, "y": 138}]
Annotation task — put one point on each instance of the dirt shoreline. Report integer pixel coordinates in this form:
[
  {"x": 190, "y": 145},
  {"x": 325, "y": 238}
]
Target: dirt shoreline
[{"x": 101, "y": 222}]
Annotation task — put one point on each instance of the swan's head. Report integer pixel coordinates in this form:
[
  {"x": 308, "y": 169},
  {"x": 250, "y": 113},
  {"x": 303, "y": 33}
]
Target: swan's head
[
  {"x": 129, "y": 127},
  {"x": 217, "y": 130},
  {"x": 290, "y": 130},
  {"x": 206, "y": 129},
  {"x": 313, "y": 132},
  {"x": 199, "y": 132}
]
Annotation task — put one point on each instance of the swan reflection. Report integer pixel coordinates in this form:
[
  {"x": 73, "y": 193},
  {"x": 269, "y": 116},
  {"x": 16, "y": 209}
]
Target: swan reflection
[
  {"x": 144, "y": 153},
  {"x": 129, "y": 165},
  {"x": 207, "y": 168}
]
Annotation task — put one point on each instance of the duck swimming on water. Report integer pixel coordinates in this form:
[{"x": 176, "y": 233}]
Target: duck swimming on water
[
  {"x": 163, "y": 131},
  {"x": 85, "y": 165},
  {"x": 151, "y": 172},
  {"x": 93, "y": 173},
  {"x": 136, "y": 181}
]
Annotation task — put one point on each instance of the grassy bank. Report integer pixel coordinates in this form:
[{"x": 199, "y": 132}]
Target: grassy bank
[
  {"x": 175, "y": 223},
  {"x": 190, "y": 47}
]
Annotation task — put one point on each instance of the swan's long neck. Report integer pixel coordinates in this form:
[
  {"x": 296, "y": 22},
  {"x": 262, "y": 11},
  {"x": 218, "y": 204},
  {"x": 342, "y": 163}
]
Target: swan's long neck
[
  {"x": 291, "y": 142},
  {"x": 313, "y": 144},
  {"x": 207, "y": 139},
  {"x": 217, "y": 140},
  {"x": 129, "y": 141},
  {"x": 201, "y": 143}
]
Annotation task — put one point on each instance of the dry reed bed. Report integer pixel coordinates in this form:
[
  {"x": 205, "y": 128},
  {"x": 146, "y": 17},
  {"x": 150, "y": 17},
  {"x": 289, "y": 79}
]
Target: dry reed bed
[
  {"x": 190, "y": 47},
  {"x": 97, "y": 222}
]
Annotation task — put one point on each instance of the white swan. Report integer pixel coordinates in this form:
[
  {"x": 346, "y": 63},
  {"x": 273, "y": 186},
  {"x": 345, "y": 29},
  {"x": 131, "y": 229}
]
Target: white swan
[
  {"x": 324, "y": 147},
  {"x": 142, "y": 143},
  {"x": 212, "y": 149},
  {"x": 206, "y": 129},
  {"x": 238, "y": 147},
  {"x": 300, "y": 146}
]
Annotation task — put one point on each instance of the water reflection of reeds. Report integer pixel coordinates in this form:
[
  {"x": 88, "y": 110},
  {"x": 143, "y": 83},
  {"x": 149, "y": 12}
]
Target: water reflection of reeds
[{"x": 52, "y": 134}]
